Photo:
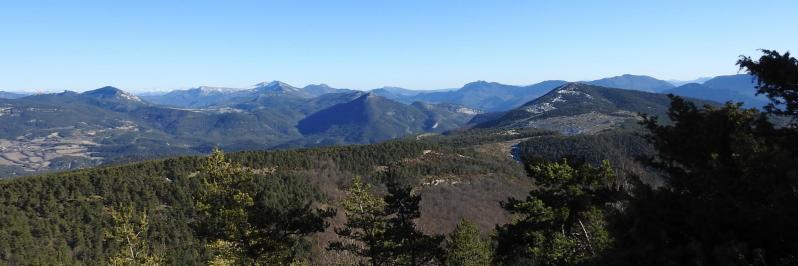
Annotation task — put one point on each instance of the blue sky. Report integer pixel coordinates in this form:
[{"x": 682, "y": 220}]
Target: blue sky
[{"x": 162, "y": 45}]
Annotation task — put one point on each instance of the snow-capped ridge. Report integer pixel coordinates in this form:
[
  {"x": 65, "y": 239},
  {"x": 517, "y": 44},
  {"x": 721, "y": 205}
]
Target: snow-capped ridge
[{"x": 275, "y": 86}]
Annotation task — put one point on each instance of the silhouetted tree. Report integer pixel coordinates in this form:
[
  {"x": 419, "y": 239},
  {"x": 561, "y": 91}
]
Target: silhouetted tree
[
  {"x": 729, "y": 197},
  {"x": 777, "y": 77},
  {"x": 411, "y": 246}
]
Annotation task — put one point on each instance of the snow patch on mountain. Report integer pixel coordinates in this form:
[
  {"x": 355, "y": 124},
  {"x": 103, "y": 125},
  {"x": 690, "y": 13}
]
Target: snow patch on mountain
[
  {"x": 207, "y": 90},
  {"x": 467, "y": 111},
  {"x": 130, "y": 97},
  {"x": 571, "y": 90},
  {"x": 540, "y": 108}
]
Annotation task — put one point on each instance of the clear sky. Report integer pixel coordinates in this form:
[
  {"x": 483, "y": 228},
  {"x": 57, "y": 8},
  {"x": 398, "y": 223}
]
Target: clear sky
[{"x": 162, "y": 45}]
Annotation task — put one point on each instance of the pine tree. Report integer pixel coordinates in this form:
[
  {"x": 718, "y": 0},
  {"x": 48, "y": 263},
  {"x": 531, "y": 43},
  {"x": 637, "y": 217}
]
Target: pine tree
[
  {"x": 729, "y": 197},
  {"x": 466, "y": 247},
  {"x": 130, "y": 231},
  {"x": 365, "y": 228},
  {"x": 777, "y": 78},
  {"x": 243, "y": 222},
  {"x": 223, "y": 204},
  {"x": 411, "y": 246},
  {"x": 383, "y": 230},
  {"x": 564, "y": 221}
]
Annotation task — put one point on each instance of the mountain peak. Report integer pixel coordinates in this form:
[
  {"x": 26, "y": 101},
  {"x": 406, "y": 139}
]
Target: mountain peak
[
  {"x": 321, "y": 85},
  {"x": 478, "y": 83},
  {"x": 571, "y": 86},
  {"x": 316, "y": 90},
  {"x": 566, "y": 94},
  {"x": 277, "y": 87},
  {"x": 633, "y": 82},
  {"x": 576, "y": 108},
  {"x": 273, "y": 84},
  {"x": 109, "y": 92}
]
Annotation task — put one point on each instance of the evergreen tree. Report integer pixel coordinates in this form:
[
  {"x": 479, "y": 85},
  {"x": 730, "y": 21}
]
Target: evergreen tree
[
  {"x": 777, "y": 77},
  {"x": 564, "y": 221},
  {"x": 366, "y": 225},
  {"x": 383, "y": 230},
  {"x": 130, "y": 232},
  {"x": 248, "y": 224},
  {"x": 729, "y": 197},
  {"x": 410, "y": 245},
  {"x": 466, "y": 247}
]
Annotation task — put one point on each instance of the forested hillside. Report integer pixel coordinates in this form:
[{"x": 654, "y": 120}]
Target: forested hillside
[
  {"x": 707, "y": 185},
  {"x": 69, "y": 211}
]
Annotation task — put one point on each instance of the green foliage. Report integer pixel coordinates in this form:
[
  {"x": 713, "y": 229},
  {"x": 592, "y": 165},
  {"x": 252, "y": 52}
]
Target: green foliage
[
  {"x": 626, "y": 151},
  {"x": 222, "y": 206},
  {"x": 466, "y": 247},
  {"x": 365, "y": 228},
  {"x": 246, "y": 222},
  {"x": 61, "y": 219},
  {"x": 130, "y": 230},
  {"x": 563, "y": 222},
  {"x": 382, "y": 230}
]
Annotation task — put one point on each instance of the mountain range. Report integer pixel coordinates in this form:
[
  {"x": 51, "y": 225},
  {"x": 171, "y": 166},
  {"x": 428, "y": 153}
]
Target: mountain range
[
  {"x": 11, "y": 95},
  {"x": 735, "y": 88},
  {"x": 496, "y": 97},
  {"x": 482, "y": 95},
  {"x": 204, "y": 96},
  {"x": 678, "y": 83},
  {"x": 68, "y": 130}
]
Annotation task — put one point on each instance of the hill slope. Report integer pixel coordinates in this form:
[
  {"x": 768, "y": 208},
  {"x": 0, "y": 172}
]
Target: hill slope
[
  {"x": 11, "y": 95},
  {"x": 371, "y": 118},
  {"x": 61, "y": 218},
  {"x": 577, "y": 108}
]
